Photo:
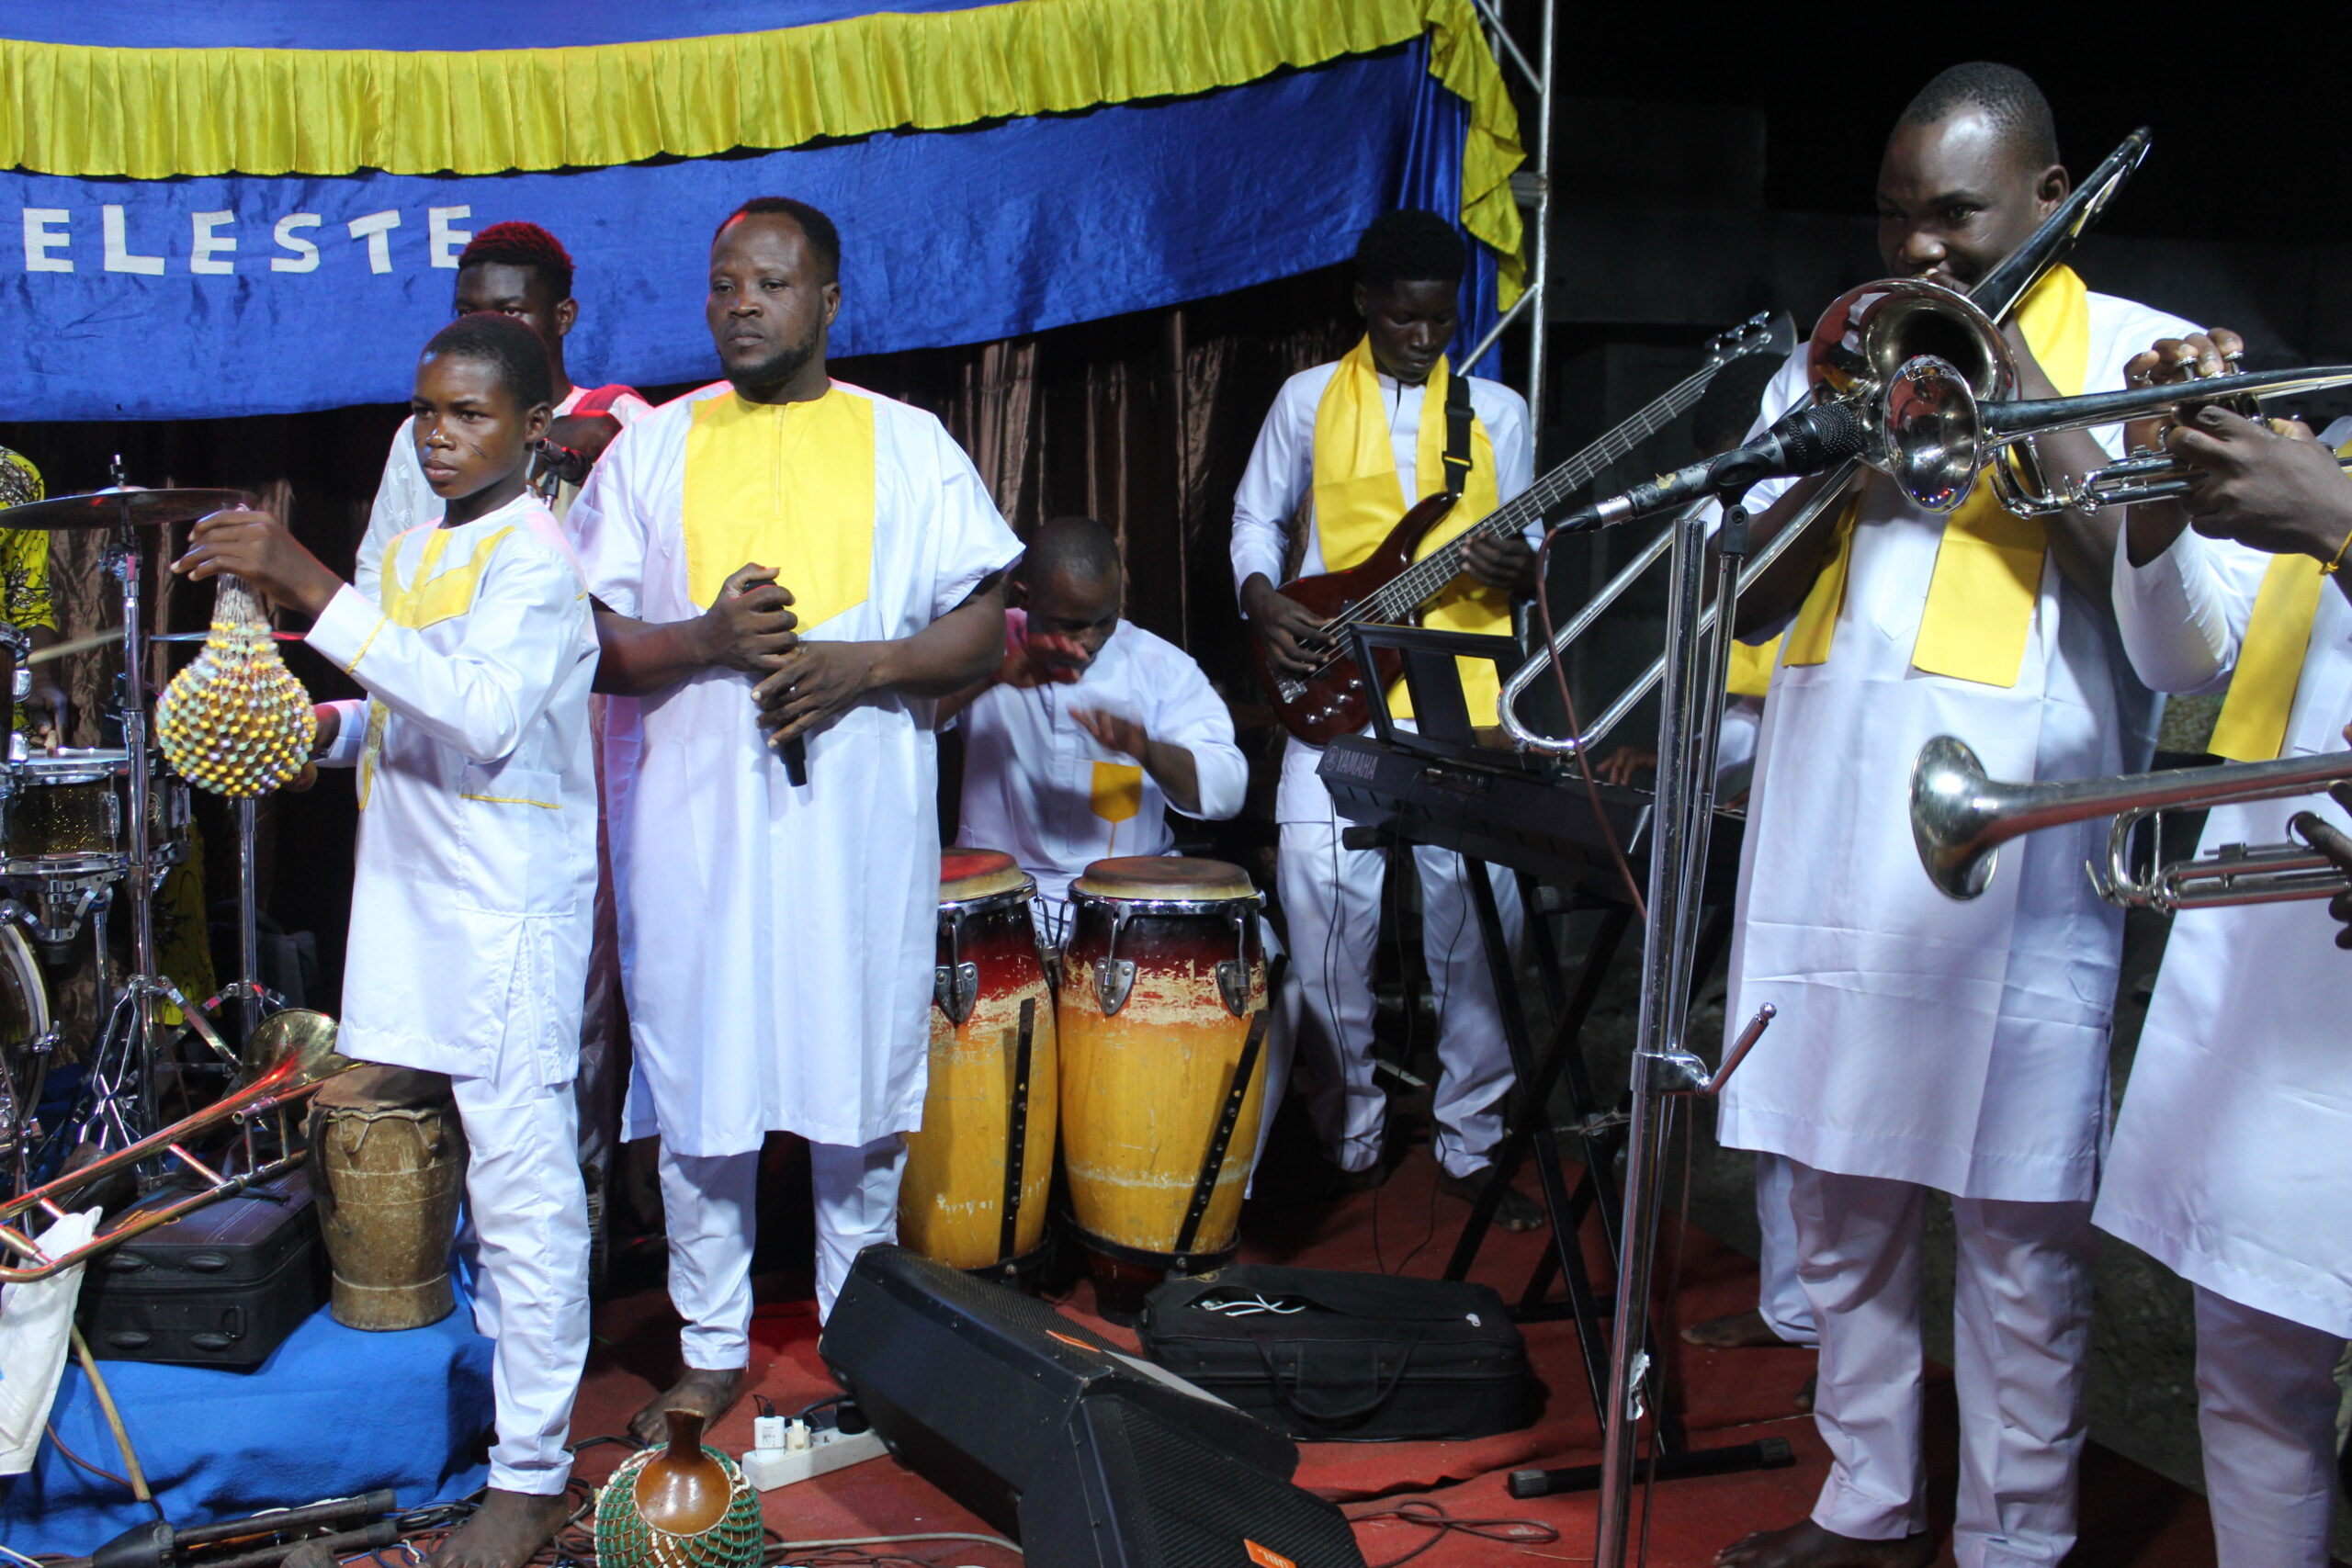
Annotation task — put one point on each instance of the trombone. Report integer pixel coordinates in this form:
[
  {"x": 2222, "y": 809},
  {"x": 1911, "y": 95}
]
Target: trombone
[
  {"x": 1960, "y": 819},
  {"x": 288, "y": 1057},
  {"x": 1860, "y": 348}
]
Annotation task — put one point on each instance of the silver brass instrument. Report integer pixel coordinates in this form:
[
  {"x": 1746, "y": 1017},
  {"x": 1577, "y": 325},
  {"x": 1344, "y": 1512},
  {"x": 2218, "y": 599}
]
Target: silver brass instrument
[
  {"x": 1860, "y": 349},
  {"x": 1960, "y": 819},
  {"x": 288, "y": 1057}
]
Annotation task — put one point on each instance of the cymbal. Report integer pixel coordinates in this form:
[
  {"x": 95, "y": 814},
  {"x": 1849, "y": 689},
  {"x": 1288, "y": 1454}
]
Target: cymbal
[
  {"x": 199, "y": 637},
  {"x": 105, "y": 508}
]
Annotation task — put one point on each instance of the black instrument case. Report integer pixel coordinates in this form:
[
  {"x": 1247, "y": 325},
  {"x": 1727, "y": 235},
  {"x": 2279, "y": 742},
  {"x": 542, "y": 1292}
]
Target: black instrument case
[{"x": 221, "y": 1287}]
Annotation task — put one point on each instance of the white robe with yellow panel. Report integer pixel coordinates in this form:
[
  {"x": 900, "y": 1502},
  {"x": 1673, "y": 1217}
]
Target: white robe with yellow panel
[
  {"x": 1330, "y": 894},
  {"x": 472, "y": 907},
  {"x": 2232, "y": 1158},
  {"x": 776, "y": 940}
]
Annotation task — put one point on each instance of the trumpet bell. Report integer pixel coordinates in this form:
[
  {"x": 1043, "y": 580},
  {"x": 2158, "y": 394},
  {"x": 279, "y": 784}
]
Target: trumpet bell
[
  {"x": 1950, "y": 813},
  {"x": 1931, "y": 433},
  {"x": 297, "y": 1035}
]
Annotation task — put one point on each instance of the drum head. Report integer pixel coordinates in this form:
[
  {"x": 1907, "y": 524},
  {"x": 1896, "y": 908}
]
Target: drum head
[
  {"x": 24, "y": 998},
  {"x": 966, "y": 875},
  {"x": 1165, "y": 878}
]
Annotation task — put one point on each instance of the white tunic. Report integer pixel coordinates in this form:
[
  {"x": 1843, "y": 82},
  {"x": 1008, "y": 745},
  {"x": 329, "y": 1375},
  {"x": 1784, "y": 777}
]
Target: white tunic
[
  {"x": 1280, "y": 482},
  {"x": 1029, "y": 768},
  {"x": 2232, "y": 1158},
  {"x": 776, "y": 942},
  {"x": 1959, "y": 1046},
  {"x": 476, "y": 862},
  {"x": 403, "y": 500}
]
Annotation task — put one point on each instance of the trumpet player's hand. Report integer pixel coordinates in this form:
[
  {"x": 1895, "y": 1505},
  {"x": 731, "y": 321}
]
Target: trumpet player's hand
[
  {"x": 2282, "y": 492},
  {"x": 2172, "y": 361},
  {"x": 259, "y": 549},
  {"x": 2330, "y": 840}
]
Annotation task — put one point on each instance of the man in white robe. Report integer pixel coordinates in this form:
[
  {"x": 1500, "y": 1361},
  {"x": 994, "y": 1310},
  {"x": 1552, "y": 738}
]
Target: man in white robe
[
  {"x": 477, "y": 864},
  {"x": 788, "y": 571},
  {"x": 1922, "y": 1042},
  {"x": 1410, "y": 270},
  {"x": 2233, "y": 1156}
]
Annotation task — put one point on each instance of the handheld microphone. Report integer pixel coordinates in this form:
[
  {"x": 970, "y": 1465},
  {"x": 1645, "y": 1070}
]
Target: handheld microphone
[{"x": 1800, "y": 443}]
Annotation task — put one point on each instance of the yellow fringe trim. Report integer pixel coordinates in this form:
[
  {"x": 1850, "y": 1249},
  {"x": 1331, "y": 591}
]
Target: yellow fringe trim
[{"x": 155, "y": 113}]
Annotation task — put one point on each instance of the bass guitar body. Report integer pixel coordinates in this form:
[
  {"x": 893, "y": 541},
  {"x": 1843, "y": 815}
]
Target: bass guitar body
[{"x": 1336, "y": 700}]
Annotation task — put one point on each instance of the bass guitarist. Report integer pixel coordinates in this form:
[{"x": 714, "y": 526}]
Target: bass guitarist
[{"x": 1352, "y": 445}]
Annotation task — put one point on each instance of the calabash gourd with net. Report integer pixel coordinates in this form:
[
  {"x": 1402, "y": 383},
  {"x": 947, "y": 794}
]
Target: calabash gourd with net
[{"x": 236, "y": 721}]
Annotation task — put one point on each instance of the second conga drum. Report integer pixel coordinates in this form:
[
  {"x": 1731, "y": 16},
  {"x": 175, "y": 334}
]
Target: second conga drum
[
  {"x": 980, "y": 1169},
  {"x": 1162, "y": 973}
]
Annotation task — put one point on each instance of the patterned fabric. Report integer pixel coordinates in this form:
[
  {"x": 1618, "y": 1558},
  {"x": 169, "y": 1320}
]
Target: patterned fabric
[{"x": 24, "y": 552}]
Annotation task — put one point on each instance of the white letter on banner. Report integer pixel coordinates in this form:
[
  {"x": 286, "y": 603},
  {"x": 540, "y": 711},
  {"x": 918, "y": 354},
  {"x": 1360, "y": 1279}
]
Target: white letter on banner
[
  {"x": 41, "y": 238},
  {"x": 209, "y": 244},
  {"x": 446, "y": 241},
  {"x": 117, "y": 247},
  {"x": 306, "y": 254},
  {"x": 376, "y": 229}
]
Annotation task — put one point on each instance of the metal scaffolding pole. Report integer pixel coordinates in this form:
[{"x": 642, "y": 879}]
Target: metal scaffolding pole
[{"x": 1531, "y": 187}]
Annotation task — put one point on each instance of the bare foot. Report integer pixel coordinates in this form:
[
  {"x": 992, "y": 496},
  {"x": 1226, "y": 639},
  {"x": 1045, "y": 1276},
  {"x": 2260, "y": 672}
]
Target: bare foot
[
  {"x": 1807, "y": 1545},
  {"x": 506, "y": 1531},
  {"x": 1734, "y": 1331},
  {"x": 709, "y": 1394}
]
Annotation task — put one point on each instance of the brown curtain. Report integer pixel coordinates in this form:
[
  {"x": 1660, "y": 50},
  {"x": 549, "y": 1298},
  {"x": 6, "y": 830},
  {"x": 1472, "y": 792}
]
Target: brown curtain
[{"x": 1145, "y": 422}]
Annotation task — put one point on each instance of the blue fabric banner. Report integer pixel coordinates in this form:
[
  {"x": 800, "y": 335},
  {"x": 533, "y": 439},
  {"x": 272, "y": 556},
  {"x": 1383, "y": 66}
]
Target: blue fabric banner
[{"x": 241, "y": 295}]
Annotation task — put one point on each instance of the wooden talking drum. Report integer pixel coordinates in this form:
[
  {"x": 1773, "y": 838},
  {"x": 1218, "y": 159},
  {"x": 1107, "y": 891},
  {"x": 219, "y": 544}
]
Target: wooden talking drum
[
  {"x": 978, "y": 1174},
  {"x": 388, "y": 1158},
  {"x": 1163, "y": 978}
]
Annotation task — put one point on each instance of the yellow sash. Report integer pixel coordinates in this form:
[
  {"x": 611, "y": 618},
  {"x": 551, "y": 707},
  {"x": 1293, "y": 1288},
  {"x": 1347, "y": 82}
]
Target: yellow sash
[
  {"x": 788, "y": 486},
  {"x": 1359, "y": 499},
  {"x": 1981, "y": 600},
  {"x": 2252, "y": 725},
  {"x": 1751, "y": 667},
  {"x": 425, "y": 597}
]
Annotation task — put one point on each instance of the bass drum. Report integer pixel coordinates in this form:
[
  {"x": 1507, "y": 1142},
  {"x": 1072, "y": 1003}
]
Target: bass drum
[
  {"x": 23, "y": 1028},
  {"x": 1163, "y": 973},
  {"x": 980, "y": 1170}
]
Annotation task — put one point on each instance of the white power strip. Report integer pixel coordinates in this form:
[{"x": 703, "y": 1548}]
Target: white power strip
[{"x": 801, "y": 1454}]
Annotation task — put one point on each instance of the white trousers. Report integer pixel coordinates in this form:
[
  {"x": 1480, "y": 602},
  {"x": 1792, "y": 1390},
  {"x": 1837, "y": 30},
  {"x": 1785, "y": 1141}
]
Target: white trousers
[
  {"x": 2266, "y": 1411},
  {"x": 710, "y": 1206},
  {"x": 2021, "y": 1329},
  {"x": 527, "y": 1213},
  {"x": 1331, "y": 898},
  {"x": 1780, "y": 1294}
]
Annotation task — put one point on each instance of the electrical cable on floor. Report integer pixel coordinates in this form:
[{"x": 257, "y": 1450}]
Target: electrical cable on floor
[
  {"x": 1432, "y": 1516},
  {"x": 15, "y": 1556},
  {"x": 101, "y": 1472}
]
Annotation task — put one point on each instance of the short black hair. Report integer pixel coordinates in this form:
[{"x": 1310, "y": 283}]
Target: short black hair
[
  {"x": 1080, "y": 548},
  {"x": 516, "y": 351},
  {"x": 824, "y": 238},
  {"x": 2007, "y": 98},
  {"x": 522, "y": 244},
  {"x": 1724, "y": 411},
  {"x": 1410, "y": 245}
]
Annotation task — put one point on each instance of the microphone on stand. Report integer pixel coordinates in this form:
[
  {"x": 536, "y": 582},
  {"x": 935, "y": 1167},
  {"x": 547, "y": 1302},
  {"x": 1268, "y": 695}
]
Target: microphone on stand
[{"x": 1803, "y": 442}]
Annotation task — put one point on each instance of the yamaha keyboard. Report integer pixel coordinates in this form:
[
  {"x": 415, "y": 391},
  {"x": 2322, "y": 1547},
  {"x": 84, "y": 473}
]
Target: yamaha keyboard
[{"x": 1532, "y": 814}]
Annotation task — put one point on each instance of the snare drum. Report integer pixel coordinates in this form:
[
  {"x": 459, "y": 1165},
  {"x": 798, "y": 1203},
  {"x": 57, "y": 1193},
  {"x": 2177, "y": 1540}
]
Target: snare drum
[
  {"x": 67, "y": 814},
  {"x": 979, "y": 1171},
  {"x": 1162, "y": 973}
]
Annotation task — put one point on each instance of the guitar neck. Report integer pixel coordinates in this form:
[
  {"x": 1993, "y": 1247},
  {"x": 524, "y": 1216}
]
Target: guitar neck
[{"x": 1410, "y": 588}]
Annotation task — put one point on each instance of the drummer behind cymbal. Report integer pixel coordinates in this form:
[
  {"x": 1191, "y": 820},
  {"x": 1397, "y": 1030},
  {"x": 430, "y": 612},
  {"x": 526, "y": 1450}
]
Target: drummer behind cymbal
[
  {"x": 1091, "y": 728},
  {"x": 477, "y": 866}
]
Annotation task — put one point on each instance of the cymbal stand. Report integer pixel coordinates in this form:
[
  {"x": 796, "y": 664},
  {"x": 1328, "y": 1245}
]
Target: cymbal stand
[
  {"x": 254, "y": 1002},
  {"x": 1698, "y": 660}
]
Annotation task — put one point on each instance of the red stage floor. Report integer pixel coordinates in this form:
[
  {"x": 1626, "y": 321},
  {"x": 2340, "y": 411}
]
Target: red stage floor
[{"x": 2131, "y": 1517}]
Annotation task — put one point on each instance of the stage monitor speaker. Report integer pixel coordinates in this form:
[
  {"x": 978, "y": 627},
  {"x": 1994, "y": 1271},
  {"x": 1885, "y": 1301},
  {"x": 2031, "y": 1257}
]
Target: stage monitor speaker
[
  {"x": 974, "y": 1385},
  {"x": 1125, "y": 1489}
]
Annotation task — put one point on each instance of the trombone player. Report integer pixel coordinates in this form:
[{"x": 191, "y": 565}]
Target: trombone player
[
  {"x": 2229, "y": 1164},
  {"x": 1923, "y": 1043}
]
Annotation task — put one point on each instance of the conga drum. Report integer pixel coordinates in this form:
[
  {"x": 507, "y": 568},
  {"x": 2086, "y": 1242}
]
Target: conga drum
[
  {"x": 387, "y": 1159},
  {"x": 1163, "y": 986},
  {"x": 974, "y": 1192}
]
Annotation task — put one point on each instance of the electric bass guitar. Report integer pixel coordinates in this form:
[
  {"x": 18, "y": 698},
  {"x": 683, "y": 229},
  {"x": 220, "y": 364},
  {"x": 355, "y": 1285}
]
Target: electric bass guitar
[{"x": 1389, "y": 586}]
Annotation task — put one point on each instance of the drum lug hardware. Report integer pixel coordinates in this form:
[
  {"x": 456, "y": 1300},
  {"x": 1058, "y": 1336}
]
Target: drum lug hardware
[
  {"x": 955, "y": 987},
  {"x": 1233, "y": 985},
  {"x": 1114, "y": 979}
]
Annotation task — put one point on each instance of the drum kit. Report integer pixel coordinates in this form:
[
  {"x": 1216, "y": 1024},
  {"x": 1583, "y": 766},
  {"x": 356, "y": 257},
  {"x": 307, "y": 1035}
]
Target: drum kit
[
  {"x": 1140, "y": 1036},
  {"x": 79, "y": 828}
]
